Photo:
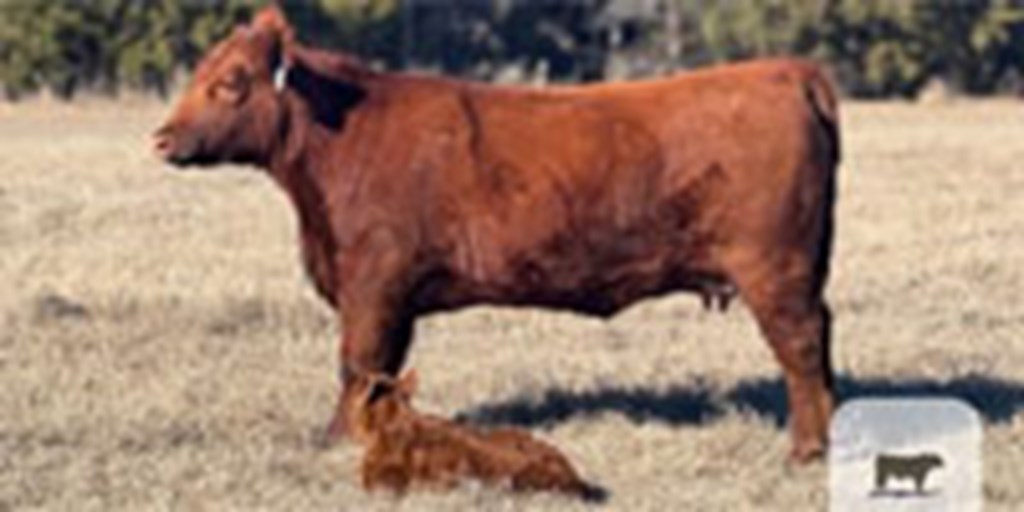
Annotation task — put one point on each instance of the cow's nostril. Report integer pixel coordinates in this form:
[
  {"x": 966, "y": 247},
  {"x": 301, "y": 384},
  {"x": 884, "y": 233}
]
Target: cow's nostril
[{"x": 161, "y": 144}]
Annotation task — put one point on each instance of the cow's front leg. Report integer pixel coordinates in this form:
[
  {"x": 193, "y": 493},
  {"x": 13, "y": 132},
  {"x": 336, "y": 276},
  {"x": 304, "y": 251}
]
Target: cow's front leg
[
  {"x": 376, "y": 322},
  {"x": 375, "y": 339}
]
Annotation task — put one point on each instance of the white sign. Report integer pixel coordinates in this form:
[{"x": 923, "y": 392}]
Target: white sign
[{"x": 905, "y": 454}]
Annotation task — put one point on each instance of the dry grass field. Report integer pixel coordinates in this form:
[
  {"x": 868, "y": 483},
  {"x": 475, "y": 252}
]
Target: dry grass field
[{"x": 160, "y": 348}]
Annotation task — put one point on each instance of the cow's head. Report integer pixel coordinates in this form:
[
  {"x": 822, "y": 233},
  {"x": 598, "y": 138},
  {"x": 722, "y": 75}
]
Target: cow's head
[
  {"x": 932, "y": 460},
  {"x": 231, "y": 110},
  {"x": 376, "y": 400}
]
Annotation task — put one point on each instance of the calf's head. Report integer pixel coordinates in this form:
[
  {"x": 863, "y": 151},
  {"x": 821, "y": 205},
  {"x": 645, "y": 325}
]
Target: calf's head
[
  {"x": 231, "y": 110},
  {"x": 376, "y": 400}
]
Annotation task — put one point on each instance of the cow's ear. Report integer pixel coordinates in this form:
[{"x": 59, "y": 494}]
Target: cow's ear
[
  {"x": 271, "y": 20},
  {"x": 407, "y": 383}
]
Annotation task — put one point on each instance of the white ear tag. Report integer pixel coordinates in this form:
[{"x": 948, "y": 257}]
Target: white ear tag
[{"x": 281, "y": 77}]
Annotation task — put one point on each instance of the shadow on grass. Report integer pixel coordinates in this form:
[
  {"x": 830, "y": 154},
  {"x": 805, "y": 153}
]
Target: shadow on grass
[
  {"x": 903, "y": 493},
  {"x": 996, "y": 400}
]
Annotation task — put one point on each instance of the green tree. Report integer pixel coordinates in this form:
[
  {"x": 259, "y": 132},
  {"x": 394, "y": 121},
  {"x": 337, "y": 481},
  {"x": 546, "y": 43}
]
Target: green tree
[
  {"x": 877, "y": 48},
  {"x": 971, "y": 44},
  {"x": 67, "y": 45}
]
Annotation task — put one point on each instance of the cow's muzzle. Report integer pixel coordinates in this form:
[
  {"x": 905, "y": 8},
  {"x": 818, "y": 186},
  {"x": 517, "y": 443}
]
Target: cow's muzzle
[{"x": 172, "y": 148}]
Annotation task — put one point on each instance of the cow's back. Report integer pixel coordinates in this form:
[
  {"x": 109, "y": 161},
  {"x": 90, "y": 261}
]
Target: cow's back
[{"x": 590, "y": 197}]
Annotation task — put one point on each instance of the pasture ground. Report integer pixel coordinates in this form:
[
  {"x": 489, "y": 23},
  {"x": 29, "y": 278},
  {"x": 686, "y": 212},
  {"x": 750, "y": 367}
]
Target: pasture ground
[{"x": 160, "y": 348}]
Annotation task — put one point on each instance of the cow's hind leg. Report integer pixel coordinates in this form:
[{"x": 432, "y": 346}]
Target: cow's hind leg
[{"x": 796, "y": 322}]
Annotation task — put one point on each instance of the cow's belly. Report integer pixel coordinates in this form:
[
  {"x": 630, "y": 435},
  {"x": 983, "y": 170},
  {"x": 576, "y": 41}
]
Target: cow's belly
[
  {"x": 591, "y": 276},
  {"x": 602, "y": 279},
  {"x": 619, "y": 287}
]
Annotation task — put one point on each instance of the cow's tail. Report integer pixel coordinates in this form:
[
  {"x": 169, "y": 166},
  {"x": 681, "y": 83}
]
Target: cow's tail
[{"x": 824, "y": 103}]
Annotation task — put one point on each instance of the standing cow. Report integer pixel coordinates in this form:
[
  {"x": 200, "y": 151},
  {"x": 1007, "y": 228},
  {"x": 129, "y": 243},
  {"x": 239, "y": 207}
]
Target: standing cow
[
  {"x": 915, "y": 467},
  {"x": 416, "y": 195}
]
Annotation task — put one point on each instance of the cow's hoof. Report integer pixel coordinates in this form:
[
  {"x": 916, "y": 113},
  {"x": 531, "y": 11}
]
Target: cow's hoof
[{"x": 806, "y": 453}]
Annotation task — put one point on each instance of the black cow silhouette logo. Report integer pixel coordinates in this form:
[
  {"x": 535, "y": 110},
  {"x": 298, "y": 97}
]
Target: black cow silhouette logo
[{"x": 899, "y": 467}]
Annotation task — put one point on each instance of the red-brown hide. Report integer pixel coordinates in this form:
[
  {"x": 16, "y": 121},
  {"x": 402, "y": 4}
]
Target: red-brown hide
[
  {"x": 416, "y": 195},
  {"x": 406, "y": 449}
]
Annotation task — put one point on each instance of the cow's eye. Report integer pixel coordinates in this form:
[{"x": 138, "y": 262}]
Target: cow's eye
[{"x": 232, "y": 88}]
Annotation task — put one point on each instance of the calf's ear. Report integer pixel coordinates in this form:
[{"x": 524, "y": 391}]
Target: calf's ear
[{"x": 408, "y": 382}]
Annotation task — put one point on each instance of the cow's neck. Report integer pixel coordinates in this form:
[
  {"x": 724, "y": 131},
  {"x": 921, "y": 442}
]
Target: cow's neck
[
  {"x": 297, "y": 136},
  {"x": 314, "y": 110},
  {"x": 301, "y": 144}
]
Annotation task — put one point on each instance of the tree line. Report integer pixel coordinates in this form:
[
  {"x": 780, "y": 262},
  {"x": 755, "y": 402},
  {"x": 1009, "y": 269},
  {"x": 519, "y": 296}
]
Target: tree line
[{"x": 876, "y": 48}]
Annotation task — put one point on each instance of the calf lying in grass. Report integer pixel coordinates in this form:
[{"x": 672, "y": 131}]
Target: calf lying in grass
[{"x": 407, "y": 449}]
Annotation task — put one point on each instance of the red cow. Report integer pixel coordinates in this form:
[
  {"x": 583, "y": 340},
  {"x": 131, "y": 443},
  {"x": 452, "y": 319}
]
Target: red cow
[{"x": 416, "y": 195}]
